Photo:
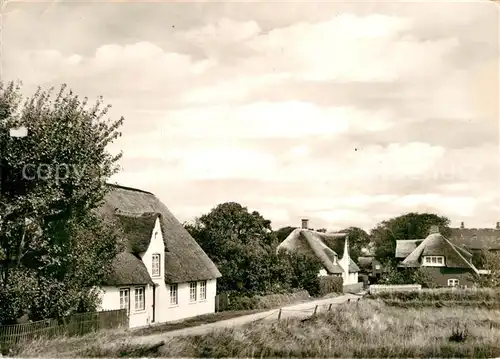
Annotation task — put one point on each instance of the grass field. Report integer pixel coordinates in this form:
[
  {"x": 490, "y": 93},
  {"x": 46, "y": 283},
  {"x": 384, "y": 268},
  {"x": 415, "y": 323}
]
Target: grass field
[{"x": 369, "y": 329}]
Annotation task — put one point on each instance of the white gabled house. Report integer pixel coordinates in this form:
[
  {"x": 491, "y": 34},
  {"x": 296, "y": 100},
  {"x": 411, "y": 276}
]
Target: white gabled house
[
  {"x": 335, "y": 262},
  {"x": 163, "y": 275}
]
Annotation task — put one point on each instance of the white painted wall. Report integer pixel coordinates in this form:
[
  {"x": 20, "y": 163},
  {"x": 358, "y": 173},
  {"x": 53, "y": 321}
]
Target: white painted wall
[{"x": 110, "y": 300}]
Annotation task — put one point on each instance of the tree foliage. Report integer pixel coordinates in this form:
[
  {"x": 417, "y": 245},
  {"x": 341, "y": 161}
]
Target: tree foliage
[
  {"x": 398, "y": 276},
  {"x": 491, "y": 263},
  {"x": 51, "y": 180},
  {"x": 408, "y": 226},
  {"x": 358, "y": 239},
  {"x": 243, "y": 246}
]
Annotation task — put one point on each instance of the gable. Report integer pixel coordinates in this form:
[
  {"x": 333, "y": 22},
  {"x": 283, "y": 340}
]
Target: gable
[{"x": 185, "y": 260}]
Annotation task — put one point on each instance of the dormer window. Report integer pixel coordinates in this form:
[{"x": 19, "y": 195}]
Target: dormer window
[
  {"x": 155, "y": 265},
  {"x": 433, "y": 261}
]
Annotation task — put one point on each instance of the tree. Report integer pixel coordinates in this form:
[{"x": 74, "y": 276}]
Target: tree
[
  {"x": 358, "y": 239},
  {"x": 239, "y": 242},
  {"x": 492, "y": 264},
  {"x": 283, "y": 232},
  {"x": 51, "y": 181},
  {"x": 408, "y": 226}
]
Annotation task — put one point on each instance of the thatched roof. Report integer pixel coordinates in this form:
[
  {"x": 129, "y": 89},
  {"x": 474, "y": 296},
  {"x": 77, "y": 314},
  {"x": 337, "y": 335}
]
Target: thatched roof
[
  {"x": 138, "y": 230},
  {"x": 128, "y": 270},
  {"x": 476, "y": 238},
  {"x": 437, "y": 245},
  {"x": 184, "y": 259},
  {"x": 311, "y": 243},
  {"x": 406, "y": 246}
]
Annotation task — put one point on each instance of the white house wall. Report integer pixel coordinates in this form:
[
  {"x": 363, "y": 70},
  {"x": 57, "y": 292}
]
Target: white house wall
[
  {"x": 185, "y": 309},
  {"x": 110, "y": 300}
]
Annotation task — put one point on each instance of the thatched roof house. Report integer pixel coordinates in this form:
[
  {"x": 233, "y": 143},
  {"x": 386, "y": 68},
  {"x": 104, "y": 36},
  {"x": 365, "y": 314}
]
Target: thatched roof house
[
  {"x": 439, "y": 256},
  {"x": 335, "y": 261},
  {"x": 136, "y": 211}
]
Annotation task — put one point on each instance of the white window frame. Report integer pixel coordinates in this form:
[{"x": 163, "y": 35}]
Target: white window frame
[
  {"x": 453, "y": 282},
  {"x": 156, "y": 270},
  {"x": 193, "y": 291},
  {"x": 125, "y": 304},
  {"x": 434, "y": 261},
  {"x": 174, "y": 296},
  {"x": 203, "y": 290},
  {"x": 139, "y": 298}
]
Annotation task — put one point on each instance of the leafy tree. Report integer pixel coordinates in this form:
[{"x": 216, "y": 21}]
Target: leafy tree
[
  {"x": 492, "y": 264},
  {"x": 358, "y": 239},
  {"x": 283, "y": 232},
  {"x": 408, "y": 226},
  {"x": 398, "y": 276},
  {"x": 51, "y": 180},
  {"x": 238, "y": 241}
]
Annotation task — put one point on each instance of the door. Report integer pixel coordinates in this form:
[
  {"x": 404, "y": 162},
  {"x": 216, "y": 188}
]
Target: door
[
  {"x": 154, "y": 303},
  {"x": 125, "y": 299}
]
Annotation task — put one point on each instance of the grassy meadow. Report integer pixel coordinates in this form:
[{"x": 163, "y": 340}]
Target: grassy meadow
[{"x": 368, "y": 329}]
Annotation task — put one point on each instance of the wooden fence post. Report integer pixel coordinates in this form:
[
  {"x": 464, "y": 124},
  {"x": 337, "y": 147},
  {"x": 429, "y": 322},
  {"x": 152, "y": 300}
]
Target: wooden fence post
[
  {"x": 315, "y": 310},
  {"x": 279, "y": 314},
  {"x": 330, "y": 307}
]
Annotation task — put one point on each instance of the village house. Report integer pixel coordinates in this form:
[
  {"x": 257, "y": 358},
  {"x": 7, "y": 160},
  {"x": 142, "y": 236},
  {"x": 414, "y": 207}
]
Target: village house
[
  {"x": 163, "y": 274},
  {"x": 334, "y": 262},
  {"x": 446, "y": 263},
  {"x": 369, "y": 265}
]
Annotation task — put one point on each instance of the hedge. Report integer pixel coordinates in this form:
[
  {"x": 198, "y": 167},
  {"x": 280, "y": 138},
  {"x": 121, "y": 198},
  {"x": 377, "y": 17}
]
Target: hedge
[{"x": 330, "y": 284}]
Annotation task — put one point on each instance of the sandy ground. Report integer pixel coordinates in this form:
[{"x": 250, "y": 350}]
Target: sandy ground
[{"x": 302, "y": 310}]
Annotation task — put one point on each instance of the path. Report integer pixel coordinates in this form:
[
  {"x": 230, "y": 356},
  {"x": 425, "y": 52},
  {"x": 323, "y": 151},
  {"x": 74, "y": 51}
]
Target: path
[{"x": 297, "y": 310}]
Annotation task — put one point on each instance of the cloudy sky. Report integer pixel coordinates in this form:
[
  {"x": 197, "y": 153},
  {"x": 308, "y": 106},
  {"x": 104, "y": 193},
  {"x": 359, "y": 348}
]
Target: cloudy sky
[{"x": 347, "y": 114}]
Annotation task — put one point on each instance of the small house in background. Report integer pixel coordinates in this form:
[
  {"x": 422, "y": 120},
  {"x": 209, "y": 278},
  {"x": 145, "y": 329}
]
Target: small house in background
[
  {"x": 446, "y": 263},
  {"x": 162, "y": 275},
  {"x": 369, "y": 265},
  {"x": 335, "y": 262}
]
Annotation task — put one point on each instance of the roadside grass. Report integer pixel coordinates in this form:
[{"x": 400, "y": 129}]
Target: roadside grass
[
  {"x": 367, "y": 329},
  {"x": 193, "y": 322}
]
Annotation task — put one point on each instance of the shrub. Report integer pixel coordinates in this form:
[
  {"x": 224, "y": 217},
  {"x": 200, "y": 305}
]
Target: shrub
[
  {"x": 459, "y": 334},
  {"x": 330, "y": 284}
]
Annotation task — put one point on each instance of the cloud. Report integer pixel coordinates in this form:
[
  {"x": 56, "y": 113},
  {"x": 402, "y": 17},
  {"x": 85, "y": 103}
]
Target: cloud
[{"x": 348, "y": 113}]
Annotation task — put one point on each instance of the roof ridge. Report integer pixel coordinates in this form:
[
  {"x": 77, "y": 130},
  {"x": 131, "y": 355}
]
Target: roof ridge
[{"x": 116, "y": 185}]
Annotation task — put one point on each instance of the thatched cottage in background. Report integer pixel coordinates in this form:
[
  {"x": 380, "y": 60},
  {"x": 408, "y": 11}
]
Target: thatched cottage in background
[
  {"x": 335, "y": 261},
  {"x": 446, "y": 263},
  {"x": 163, "y": 275}
]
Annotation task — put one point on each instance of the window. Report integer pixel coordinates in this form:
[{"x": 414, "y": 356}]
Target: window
[
  {"x": 434, "y": 261},
  {"x": 156, "y": 265},
  {"x": 156, "y": 234},
  {"x": 192, "y": 292},
  {"x": 377, "y": 266},
  {"x": 173, "y": 294},
  {"x": 125, "y": 299},
  {"x": 453, "y": 282},
  {"x": 139, "y": 299},
  {"x": 203, "y": 290}
]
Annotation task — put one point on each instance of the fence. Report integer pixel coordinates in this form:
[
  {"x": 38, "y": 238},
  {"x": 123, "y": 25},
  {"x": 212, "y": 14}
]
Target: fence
[
  {"x": 306, "y": 313},
  {"x": 78, "y": 324},
  {"x": 377, "y": 288}
]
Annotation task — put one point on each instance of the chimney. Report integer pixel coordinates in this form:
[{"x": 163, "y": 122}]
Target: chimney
[
  {"x": 498, "y": 225},
  {"x": 305, "y": 223},
  {"x": 434, "y": 229}
]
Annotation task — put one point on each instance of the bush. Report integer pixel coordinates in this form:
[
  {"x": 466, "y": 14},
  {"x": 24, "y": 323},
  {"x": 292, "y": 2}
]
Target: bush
[
  {"x": 330, "y": 284},
  {"x": 443, "y": 294}
]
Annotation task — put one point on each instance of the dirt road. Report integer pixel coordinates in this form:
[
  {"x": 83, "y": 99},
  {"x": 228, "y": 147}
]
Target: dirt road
[{"x": 297, "y": 310}]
